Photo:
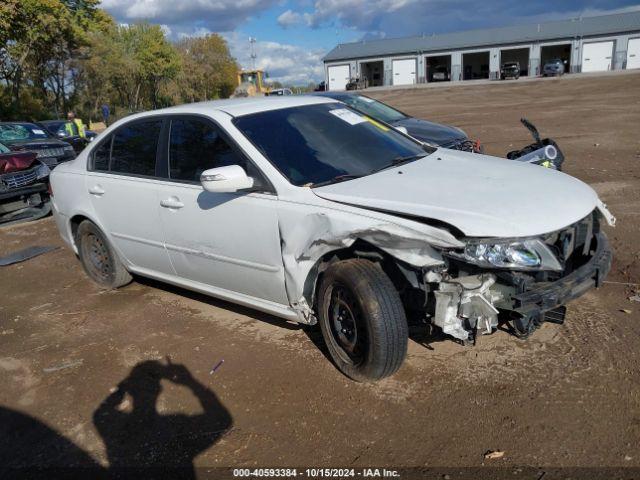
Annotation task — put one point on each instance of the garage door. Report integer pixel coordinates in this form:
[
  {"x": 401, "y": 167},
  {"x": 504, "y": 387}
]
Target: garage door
[
  {"x": 339, "y": 77},
  {"x": 633, "y": 53},
  {"x": 596, "y": 57},
  {"x": 404, "y": 72}
]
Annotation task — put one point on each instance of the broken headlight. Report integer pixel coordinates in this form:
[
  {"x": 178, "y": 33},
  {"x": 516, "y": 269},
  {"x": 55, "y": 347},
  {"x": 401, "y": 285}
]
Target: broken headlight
[
  {"x": 42, "y": 172},
  {"x": 530, "y": 254}
]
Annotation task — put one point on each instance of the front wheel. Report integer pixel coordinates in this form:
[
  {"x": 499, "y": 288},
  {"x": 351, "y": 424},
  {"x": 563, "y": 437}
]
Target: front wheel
[
  {"x": 362, "y": 320},
  {"x": 98, "y": 258}
]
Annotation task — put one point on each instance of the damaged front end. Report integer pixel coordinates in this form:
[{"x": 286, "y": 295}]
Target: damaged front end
[
  {"x": 24, "y": 193},
  {"x": 465, "y": 287},
  {"x": 522, "y": 283}
]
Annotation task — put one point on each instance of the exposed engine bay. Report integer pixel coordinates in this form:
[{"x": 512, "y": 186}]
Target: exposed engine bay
[
  {"x": 465, "y": 305},
  {"x": 471, "y": 301}
]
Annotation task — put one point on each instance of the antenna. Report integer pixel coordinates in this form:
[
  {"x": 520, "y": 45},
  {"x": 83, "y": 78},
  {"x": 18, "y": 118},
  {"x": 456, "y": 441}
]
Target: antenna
[{"x": 252, "y": 42}]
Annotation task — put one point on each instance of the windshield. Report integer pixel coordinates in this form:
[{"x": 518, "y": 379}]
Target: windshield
[
  {"x": 58, "y": 127},
  {"x": 373, "y": 108},
  {"x": 251, "y": 78},
  {"x": 319, "y": 144},
  {"x": 16, "y": 132}
]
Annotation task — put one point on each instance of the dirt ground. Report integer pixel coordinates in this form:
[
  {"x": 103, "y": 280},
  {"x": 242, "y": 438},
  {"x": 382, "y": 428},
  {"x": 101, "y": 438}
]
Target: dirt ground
[{"x": 567, "y": 397}]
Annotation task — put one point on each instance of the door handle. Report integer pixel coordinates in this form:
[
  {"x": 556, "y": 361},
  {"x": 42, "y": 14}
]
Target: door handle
[
  {"x": 171, "y": 202},
  {"x": 96, "y": 190}
]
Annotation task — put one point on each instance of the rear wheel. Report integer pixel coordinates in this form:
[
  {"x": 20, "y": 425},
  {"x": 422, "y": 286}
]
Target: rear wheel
[
  {"x": 362, "y": 320},
  {"x": 98, "y": 259}
]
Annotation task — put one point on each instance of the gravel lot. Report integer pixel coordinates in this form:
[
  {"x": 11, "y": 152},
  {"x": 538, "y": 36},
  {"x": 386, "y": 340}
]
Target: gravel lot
[{"x": 567, "y": 397}]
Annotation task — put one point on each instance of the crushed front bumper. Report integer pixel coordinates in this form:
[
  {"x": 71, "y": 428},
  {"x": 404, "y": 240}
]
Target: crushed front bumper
[
  {"x": 539, "y": 298},
  {"x": 26, "y": 203}
]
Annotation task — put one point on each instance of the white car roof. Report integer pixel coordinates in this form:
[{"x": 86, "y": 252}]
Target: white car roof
[{"x": 242, "y": 106}]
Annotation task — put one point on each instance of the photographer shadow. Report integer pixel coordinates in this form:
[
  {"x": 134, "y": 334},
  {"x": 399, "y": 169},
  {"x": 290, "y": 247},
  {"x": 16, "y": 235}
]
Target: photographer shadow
[
  {"x": 138, "y": 437},
  {"x": 140, "y": 442}
]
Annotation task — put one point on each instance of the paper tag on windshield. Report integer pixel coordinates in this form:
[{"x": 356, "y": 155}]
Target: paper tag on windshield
[
  {"x": 348, "y": 116},
  {"x": 37, "y": 131}
]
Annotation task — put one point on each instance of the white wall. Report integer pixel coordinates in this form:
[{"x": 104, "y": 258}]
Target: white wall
[{"x": 619, "y": 58}]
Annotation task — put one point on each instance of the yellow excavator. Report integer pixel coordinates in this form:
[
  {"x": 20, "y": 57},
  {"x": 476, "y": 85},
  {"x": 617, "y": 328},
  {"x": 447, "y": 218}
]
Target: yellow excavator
[{"x": 250, "y": 84}]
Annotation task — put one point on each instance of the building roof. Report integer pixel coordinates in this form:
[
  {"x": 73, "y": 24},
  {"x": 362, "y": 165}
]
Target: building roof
[{"x": 562, "y": 29}]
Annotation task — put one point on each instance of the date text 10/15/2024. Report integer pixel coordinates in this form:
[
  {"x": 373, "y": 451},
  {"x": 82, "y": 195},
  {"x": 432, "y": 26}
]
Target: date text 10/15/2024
[{"x": 316, "y": 472}]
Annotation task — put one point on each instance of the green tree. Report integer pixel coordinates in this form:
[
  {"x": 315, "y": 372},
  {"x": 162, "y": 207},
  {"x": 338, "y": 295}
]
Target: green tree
[
  {"x": 149, "y": 61},
  {"x": 209, "y": 72},
  {"x": 58, "y": 55},
  {"x": 39, "y": 40}
]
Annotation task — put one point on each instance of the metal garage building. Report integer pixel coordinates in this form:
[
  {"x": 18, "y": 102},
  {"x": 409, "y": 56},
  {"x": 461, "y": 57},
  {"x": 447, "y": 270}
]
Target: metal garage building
[{"x": 585, "y": 44}]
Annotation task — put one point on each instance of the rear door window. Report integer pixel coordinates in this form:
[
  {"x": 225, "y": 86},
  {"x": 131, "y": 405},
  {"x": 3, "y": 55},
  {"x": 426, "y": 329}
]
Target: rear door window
[{"x": 134, "y": 148}]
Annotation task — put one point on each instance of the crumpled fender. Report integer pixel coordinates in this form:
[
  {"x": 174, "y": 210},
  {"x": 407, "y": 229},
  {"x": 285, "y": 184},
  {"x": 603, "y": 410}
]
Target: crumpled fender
[{"x": 307, "y": 234}]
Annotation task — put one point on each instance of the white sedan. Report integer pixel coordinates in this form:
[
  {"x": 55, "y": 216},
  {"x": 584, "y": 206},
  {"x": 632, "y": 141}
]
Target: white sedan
[{"x": 308, "y": 210}]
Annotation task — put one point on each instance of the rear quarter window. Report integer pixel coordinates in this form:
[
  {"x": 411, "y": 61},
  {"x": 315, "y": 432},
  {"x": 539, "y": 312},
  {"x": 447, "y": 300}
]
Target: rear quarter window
[
  {"x": 100, "y": 156},
  {"x": 134, "y": 148}
]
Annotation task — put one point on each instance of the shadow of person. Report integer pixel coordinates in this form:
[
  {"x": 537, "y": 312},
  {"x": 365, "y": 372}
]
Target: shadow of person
[
  {"x": 137, "y": 437},
  {"x": 31, "y": 449}
]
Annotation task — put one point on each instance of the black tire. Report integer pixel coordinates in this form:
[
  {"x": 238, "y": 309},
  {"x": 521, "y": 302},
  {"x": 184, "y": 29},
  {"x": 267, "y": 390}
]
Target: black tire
[
  {"x": 362, "y": 320},
  {"x": 98, "y": 259}
]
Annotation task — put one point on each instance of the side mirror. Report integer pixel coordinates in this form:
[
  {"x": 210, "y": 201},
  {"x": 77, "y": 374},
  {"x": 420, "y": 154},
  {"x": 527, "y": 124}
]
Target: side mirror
[{"x": 225, "y": 179}]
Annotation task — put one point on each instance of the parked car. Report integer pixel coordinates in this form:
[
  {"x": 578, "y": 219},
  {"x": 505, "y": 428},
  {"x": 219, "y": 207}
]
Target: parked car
[
  {"x": 321, "y": 87},
  {"x": 510, "y": 70},
  {"x": 60, "y": 129},
  {"x": 305, "y": 208},
  {"x": 23, "y": 186},
  {"x": 544, "y": 152},
  {"x": 441, "y": 74},
  {"x": 279, "y": 92},
  {"x": 432, "y": 133},
  {"x": 553, "y": 68},
  {"x": 356, "y": 83},
  {"x": 24, "y": 136}
]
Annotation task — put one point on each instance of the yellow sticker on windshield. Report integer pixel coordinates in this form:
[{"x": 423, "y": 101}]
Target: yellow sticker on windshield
[{"x": 377, "y": 124}]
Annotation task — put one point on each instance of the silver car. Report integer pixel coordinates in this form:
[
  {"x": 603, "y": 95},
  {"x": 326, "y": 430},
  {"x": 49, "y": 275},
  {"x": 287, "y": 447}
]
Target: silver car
[{"x": 553, "y": 68}]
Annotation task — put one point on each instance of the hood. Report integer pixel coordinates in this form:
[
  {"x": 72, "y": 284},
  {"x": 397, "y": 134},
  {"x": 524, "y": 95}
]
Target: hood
[
  {"x": 482, "y": 196},
  {"x": 434, "y": 133},
  {"x": 36, "y": 144},
  {"x": 14, "y": 162}
]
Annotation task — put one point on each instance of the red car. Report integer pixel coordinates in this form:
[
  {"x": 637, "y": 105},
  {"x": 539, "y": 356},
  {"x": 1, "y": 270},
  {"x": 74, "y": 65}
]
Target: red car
[{"x": 24, "y": 186}]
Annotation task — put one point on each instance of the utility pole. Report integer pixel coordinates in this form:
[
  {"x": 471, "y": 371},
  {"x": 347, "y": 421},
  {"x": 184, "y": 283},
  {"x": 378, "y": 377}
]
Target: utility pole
[{"x": 252, "y": 42}]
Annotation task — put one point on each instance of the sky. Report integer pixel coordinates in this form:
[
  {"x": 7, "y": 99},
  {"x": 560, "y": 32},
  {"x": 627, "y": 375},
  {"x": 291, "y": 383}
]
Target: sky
[{"x": 293, "y": 36}]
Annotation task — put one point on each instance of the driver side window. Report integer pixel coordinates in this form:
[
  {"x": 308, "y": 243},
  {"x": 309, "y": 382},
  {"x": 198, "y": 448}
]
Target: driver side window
[{"x": 196, "y": 145}]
